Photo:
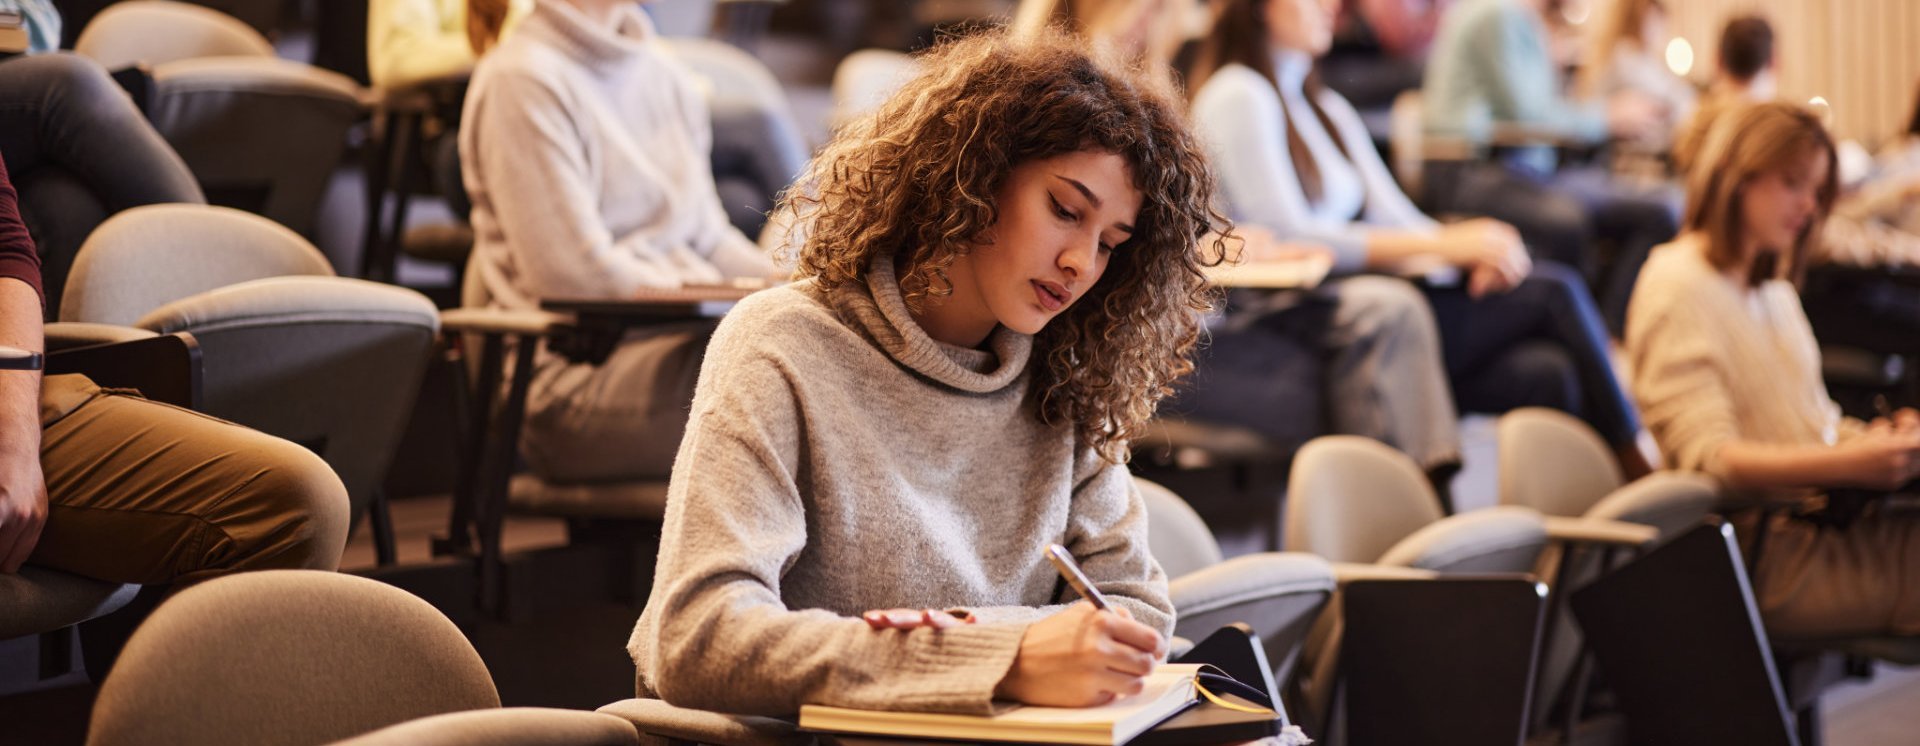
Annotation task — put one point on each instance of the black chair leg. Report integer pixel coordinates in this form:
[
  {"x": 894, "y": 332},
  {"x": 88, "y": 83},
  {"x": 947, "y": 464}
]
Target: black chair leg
[
  {"x": 1807, "y": 724},
  {"x": 380, "y": 519}
]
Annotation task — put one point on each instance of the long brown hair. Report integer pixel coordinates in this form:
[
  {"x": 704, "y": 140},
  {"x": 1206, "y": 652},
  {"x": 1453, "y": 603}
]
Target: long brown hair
[
  {"x": 485, "y": 19},
  {"x": 1241, "y": 35},
  {"x": 916, "y": 179},
  {"x": 1742, "y": 145}
]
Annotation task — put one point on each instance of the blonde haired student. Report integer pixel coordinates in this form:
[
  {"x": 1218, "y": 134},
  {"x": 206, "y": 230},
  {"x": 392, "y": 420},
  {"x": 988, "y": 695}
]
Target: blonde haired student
[
  {"x": 1727, "y": 372},
  {"x": 997, "y": 285}
]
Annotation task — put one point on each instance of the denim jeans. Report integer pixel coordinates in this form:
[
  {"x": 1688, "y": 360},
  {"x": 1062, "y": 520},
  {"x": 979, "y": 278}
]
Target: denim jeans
[
  {"x": 1540, "y": 344},
  {"x": 79, "y": 150}
]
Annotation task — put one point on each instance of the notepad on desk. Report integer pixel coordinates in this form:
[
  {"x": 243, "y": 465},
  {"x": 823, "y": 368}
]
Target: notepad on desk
[
  {"x": 1169, "y": 691},
  {"x": 1303, "y": 272}
]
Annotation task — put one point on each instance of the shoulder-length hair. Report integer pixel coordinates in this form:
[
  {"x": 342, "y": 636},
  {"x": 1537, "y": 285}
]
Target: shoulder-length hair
[
  {"x": 917, "y": 177},
  {"x": 1742, "y": 145}
]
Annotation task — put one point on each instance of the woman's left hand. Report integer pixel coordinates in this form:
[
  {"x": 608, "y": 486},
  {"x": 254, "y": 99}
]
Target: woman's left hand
[{"x": 913, "y": 619}]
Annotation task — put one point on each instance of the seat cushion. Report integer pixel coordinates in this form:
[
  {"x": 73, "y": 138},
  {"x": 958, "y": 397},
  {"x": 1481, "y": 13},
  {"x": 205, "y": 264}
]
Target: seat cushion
[{"x": 41, "y": 600}]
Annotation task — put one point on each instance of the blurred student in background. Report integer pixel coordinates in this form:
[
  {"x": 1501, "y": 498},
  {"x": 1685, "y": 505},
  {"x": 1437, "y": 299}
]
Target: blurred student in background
[
  {"x": 585, "y": 150},
  {"x": 1294, "y": 159},
  {"x": 1727, "y": 370}
]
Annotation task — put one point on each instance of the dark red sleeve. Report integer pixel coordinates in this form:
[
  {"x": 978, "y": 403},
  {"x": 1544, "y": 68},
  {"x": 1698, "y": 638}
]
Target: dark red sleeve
[{"x": 17, "y": 257}]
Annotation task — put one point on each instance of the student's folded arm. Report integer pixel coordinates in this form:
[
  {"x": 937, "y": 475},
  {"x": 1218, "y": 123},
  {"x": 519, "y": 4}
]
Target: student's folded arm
[
  {"x": 540, "y": 188},
  {"x": 735, "y": 255},
  {"x": 720, "y": 635}
]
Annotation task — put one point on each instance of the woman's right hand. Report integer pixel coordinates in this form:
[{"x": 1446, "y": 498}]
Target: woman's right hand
[
  {"x": 1491, "y": 252},
  {"x": 1082, "y": 657},
  {"x": 1885, "y": 457}
]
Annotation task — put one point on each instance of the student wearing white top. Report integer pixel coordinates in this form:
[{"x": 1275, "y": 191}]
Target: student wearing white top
[
  {"x": 1728, "y": 373},
  {"x": 585, "y": 150},
  {"x": 1295, "y": 159}
]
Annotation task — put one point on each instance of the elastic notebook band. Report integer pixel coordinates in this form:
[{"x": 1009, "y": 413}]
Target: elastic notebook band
[{"x": 1235, "y": 706}]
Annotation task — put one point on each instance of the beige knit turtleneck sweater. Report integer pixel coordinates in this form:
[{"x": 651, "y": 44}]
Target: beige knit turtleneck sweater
[{"x": 838, "y": 460}]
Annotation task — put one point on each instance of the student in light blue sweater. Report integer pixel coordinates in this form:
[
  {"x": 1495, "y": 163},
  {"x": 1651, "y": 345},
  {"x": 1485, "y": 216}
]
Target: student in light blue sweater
[{"x": 1491, "y": 67}]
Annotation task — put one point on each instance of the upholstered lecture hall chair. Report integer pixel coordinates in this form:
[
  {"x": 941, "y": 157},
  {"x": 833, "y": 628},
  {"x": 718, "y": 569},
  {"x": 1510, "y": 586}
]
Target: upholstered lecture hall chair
[
  {"x": 303, "y": 657},
  {"x": 1277, "y": 594},
  {"x": 1554, "y": 463},
  {"x": 1370, "y": 510},
  {"x": 259, "y": 132},
  {"x": 288, "y": 349}
]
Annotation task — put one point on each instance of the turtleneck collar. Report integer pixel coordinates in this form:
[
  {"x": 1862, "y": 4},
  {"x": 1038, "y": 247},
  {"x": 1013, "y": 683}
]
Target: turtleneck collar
[
  {"x": 881, "y": 312},
  {"x": 588, "y": 41},
  {"x": 1290, "y": 68}
]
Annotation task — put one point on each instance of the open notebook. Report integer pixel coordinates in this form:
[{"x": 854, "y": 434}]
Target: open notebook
[{"x": 1169, "y": 691}]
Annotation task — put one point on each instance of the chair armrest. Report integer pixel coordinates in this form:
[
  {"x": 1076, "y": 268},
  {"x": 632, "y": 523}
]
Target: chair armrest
[
  {"x": 1347, "y": 572},
  {"x": 66, "y": 335},
  {"x": 657, "y": 718},
  {"x": 163, "y": 367},
  {"x": 1599, "y": 531},
  {"x": 502, "y": 321}
]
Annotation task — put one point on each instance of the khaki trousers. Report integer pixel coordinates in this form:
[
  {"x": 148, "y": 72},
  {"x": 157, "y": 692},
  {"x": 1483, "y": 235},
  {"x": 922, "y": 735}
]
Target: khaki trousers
[
  {"x": 1819, "y": 581},
  {"x": 620, "y": 420},
  {"x": 142, "y": 492}
]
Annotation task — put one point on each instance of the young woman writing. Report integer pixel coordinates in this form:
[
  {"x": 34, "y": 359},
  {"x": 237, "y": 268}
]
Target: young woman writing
[
  {"x": 1728, "y": 373},
  {"x": 998, "y": 283}
]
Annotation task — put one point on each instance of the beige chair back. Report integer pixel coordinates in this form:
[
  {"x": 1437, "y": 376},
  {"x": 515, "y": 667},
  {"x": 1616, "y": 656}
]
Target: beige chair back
[
  {"x": 146, "y": 257},
  {"x": 1349, "y": 499},
  {"x": 1176, "y": 535},
  {"x": 155, "y": 32},
  {"x": 866, "y": 79},
  {"x": 1553, "y": 462},
  {"x": 286, "y": 657},
  {"x": 512, "y": 726}
]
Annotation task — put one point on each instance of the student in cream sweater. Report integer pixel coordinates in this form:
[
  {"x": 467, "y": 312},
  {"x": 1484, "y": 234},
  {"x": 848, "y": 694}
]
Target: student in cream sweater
[
  {"x": 998, "y": 283},
  {"x": 584, "y": 147},
  {"x": 1728, "y": 374}
]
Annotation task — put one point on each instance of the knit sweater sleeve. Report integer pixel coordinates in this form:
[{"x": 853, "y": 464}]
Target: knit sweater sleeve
[
  {"x": 1238, "y": 114},
  {"x": 717, "y": 634},
  {"x": 1107, "y": 535},
  {"x": 1679, "y": 373},
  {"x": 538, "y": 179}
]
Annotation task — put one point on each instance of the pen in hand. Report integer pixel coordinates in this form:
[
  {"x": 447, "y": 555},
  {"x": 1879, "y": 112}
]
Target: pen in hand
[{"x": 1070, "y": 570}]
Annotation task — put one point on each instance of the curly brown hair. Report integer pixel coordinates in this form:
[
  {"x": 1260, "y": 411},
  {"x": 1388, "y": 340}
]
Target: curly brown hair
[{"x": 916, "y": 178}]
